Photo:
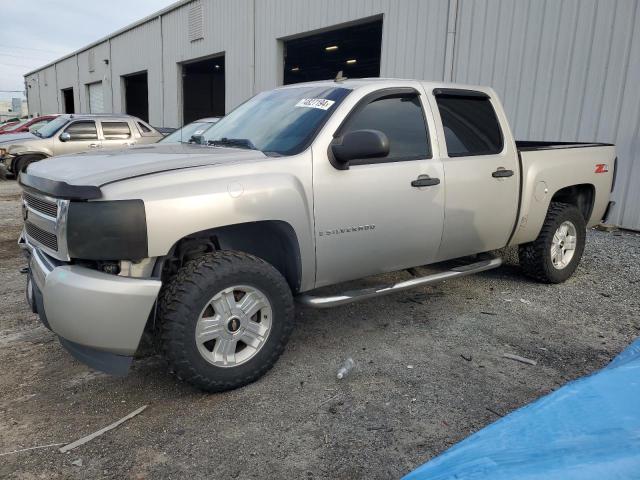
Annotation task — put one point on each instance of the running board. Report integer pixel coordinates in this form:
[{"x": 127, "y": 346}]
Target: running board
[{"x": 356, "y": 295}]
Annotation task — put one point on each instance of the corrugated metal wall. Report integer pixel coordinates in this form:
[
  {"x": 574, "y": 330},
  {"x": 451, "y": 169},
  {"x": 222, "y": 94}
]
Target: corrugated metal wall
[
  {"x": 48, "y": 90},
  {"x": 92, "y": 68},
  {"x": 565, "y": 69},
  {"x": 67, "y": 77},
  {"x": 33, "y": 93},
  {"x": 228, "y": 30},
  {"x": 144, "y": 40}
]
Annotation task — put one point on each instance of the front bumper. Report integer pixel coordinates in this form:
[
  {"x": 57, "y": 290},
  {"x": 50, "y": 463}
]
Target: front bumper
[{"x": 99, "y": 317}]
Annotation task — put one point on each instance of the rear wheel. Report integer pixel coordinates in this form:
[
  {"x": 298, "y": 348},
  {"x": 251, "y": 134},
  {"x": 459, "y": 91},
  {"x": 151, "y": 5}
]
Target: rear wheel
[
  {"x": 555, "y": 254},
  {"x": 225, "y": 319}
]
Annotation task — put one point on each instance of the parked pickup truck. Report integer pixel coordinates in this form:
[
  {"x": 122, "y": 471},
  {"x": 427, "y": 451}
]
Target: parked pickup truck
[
  {"x": 72, "y": 134},
  {"x": 301, "y": 187}
]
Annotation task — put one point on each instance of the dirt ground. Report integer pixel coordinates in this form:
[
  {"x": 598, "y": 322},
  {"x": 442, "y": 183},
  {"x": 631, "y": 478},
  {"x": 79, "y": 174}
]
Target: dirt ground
[{"x": 429, "y": 372}]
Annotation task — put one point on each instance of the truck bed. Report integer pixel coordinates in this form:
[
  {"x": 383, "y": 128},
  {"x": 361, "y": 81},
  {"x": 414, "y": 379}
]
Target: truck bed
[
  {"x": 530, "y": 145},
  {"x": 548, "y": 167}
]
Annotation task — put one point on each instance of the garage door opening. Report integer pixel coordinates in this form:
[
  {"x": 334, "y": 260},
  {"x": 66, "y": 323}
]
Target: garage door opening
[
  {"x": 136, "y": 95},
  {"x": 95, "y": 94},
  {"x": 67, "y": 100},
  {"x": 203, "y": 89},
  {"x": 355, "y": 50}
]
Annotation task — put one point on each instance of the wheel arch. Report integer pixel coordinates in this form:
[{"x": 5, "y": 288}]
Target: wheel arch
[
  {"x": 274, "y": 241},
  {"x": 19, "y": 156},
  {"x": 582, "y": 196}
]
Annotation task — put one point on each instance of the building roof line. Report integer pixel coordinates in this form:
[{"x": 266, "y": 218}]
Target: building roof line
[{"x": 131, "y": 26}]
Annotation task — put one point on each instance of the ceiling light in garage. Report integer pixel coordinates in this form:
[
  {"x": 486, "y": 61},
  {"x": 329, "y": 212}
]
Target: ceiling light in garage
[
  {"x": 217, "y": 67},
  {"x": 331, "y": 48},
  {"x": 351, "y": 61},
  {"x": 295, "y": 69}
]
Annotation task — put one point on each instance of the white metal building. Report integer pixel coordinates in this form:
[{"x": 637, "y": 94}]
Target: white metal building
[{"x": 566, "y": 69}]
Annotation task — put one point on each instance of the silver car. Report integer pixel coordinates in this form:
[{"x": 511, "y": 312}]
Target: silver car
[
  {"x": 192, "y": 132},
  {"x": 75, "y": 133}
]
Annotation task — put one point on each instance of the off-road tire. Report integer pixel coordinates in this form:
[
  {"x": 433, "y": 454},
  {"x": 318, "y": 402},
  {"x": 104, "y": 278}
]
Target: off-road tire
[
  {"x": 21, "y": 163},
  {"x": 535, "y": 257},
  {"x": 184, "y": 297}
]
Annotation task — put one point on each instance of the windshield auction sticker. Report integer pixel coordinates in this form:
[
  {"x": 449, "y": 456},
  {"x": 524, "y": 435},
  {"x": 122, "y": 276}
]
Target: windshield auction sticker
[{"x": 320, "y": 103}]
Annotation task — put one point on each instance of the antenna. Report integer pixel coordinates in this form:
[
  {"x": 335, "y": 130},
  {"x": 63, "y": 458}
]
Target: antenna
[{"x": 339, "y": 77}]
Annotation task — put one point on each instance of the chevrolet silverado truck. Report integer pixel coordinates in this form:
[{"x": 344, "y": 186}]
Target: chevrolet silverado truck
[
  {"x": 73, "y": 133},
  {"x": 208, "y": 246}
]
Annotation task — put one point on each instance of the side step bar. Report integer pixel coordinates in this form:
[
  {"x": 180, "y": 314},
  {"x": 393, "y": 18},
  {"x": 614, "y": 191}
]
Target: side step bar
[{"x": 356, "y": 295}]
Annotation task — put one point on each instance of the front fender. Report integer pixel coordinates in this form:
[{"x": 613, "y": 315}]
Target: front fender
[
  {"x": 184, "y": 202},
  {"x": 17, "y": 151}
]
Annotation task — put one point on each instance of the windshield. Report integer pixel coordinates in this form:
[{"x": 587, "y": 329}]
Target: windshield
[
  {"x": 278, "y": 122},
  {"x": 183, "y": 135},
  {"x": 50, "y": 129}
]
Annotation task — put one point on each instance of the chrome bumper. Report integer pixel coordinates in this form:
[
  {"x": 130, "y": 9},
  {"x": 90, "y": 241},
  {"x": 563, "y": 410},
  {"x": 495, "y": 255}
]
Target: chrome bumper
[{"x": 87, "y": 309}]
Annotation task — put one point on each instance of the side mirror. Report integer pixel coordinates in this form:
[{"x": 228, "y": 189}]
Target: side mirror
[
  {"x": 65, "y": 137},
  {"x": 357, "y": 145},
  {"x": 199, "y": 139}
]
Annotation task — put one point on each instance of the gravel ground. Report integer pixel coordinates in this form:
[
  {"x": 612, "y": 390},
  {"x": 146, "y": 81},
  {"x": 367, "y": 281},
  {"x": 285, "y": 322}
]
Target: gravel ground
[{"x": 429, "y": 372}]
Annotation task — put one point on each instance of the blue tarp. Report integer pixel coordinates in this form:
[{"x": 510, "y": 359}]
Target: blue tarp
[{"x": 588, "y": 429}]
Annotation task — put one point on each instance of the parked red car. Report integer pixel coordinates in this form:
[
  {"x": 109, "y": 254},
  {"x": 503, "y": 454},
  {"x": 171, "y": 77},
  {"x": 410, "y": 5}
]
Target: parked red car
[
  {"x": 8, "y": 125},
  {"x": 25, "y": 125}
]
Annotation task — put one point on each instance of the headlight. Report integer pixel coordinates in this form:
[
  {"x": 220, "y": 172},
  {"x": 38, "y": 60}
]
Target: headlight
[{"x": 109, "y": 230}]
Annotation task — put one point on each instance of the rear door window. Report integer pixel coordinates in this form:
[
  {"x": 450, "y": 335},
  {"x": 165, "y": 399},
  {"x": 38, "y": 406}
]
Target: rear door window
[
  {"x": 83, "y": 130},
  {"x": 470, "y": 125},
  {"x": 116, "y": 130}
]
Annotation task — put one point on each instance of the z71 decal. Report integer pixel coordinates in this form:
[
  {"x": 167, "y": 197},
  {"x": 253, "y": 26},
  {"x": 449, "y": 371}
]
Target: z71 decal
[{"x": 602, "y": 168}]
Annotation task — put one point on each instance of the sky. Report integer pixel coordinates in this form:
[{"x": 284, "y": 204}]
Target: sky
[{"x": 36, "y": 32}]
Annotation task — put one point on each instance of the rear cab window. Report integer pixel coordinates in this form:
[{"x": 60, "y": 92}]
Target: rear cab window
[
  {"x": 145, "y": 129},
  {"x": 470, "y": 123}
]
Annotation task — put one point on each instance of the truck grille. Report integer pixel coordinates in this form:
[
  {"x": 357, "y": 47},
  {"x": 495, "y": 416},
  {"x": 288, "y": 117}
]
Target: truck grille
[
  {"x": 49, "y": 240},
  {"x": 43, "y": 206}
]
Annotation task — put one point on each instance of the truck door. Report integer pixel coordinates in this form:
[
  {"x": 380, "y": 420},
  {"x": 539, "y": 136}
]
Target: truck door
[
  {"x": 83, "y": 136},
  {"x": 482, "y": 171},
  {"x": 116, "y": 134},
  {"x": 380, "y": 214}
]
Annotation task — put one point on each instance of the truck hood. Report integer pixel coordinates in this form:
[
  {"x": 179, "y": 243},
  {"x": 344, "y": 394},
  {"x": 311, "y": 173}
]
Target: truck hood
[
  {"x": 17, "y": 137},
  {"x": 99, "y": 168}
]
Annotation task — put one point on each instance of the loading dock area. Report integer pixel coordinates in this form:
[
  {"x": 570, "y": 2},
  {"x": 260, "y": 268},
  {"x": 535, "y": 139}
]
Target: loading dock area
[
  {"x": 355, "y": 50},
  {"x": 67, "y": 99},
  {"x": 203, "y": 89},
  {"x": 136, "y": 88}
]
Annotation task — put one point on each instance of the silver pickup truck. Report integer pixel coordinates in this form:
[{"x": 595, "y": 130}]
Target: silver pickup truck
[{"x": 309, "y": 185}]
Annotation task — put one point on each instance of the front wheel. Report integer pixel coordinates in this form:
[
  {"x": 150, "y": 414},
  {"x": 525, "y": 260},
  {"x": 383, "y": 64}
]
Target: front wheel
[
  {"x": 555, "y": 254},
  {"x": 225, "y": 320}
]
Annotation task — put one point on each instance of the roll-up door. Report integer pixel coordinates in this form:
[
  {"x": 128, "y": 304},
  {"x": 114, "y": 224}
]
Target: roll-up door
[{"x": 96, "y": 98}]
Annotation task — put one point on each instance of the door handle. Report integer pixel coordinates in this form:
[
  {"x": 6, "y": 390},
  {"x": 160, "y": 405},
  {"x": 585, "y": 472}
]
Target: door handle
[
  {"x": 94, "y": 145},
  {"x": 425, "y": 181},
  {"x": 502, "y": 173}
]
